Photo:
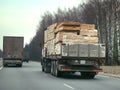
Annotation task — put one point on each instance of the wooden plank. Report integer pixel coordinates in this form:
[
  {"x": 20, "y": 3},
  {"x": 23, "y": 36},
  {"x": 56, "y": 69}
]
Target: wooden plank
[
  {"x": 79, "y": 39},
  {"x": 52, "y": 27},
  {"x": 58, "y": 48},
  {"x": 50, "y": 47},
  {"x": 48, "y": 35},
  {"x": 59, "y": 35},
  {"x": 68, "y": 24},
  {"x": 45, "y": 36},
  {"x": 87, "y": 26},
  {"x": 89, "y": 32},
  {"x": 67, "y": 28}
]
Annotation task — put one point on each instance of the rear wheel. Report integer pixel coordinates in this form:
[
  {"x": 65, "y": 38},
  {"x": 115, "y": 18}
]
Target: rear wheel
[
  {"x": 20, "y": 65},
  {"x": 52, "y": 68},
  {"x": 90, "y": 75},
  {"x": 57, "y": 72},
  {"x": 46, "y": 68},
  {"x": 42, "y": 69},
  {"x": 5, "y": 65}
]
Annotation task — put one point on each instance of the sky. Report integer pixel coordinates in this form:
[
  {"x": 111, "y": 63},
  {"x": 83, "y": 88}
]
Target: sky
[{"x": 22, "y": 17}]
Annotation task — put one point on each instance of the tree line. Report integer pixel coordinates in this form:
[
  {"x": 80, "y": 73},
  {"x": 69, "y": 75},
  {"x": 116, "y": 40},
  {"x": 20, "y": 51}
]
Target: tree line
[
  {"x": 105, "y": 14},
  {"x": 1, "y": 53}
]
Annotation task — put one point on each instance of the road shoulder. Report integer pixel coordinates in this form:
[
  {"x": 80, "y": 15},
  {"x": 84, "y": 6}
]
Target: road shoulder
[{"x": 110, "y": 75}]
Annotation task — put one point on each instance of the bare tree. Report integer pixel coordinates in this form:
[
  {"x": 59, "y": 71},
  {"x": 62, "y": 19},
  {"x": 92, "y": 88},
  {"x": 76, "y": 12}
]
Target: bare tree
[
  {"x": 105, "y": 14},
  {"x": 0, "y": 53}
]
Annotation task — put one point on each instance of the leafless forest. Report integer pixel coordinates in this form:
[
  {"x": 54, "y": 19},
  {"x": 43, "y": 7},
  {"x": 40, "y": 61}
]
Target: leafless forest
[{"x": 105, "y": 14}]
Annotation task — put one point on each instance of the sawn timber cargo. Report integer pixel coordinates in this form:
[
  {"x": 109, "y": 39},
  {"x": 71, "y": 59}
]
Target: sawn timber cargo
[{"x": 72, "y": 47}]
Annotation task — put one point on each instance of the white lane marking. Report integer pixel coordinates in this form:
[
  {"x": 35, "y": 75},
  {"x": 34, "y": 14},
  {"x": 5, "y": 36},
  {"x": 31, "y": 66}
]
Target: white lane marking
[{"x": 68, "y": 86}]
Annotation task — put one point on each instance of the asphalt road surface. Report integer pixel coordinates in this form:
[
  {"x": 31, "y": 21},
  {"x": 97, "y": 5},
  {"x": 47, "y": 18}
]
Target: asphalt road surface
[{"x": 30, "y": 77}]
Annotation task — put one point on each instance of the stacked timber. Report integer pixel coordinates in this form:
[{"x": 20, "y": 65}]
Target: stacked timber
[
  {"x": 69, "y": 32},
  {"x": 68, "y": 26},
  {"x": 87, "y": 26},
  {"x": 49, "y": 38},
  {"x": 89, "y": 32},
  {"x": 60, "y": 35},
  {"x": 50, "y": 47},
  {"x": 49, "y": 33},
  {"x": 79, "y": 39}
]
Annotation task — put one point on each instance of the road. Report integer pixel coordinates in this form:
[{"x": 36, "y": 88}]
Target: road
[{"x": 30, "y": 77}]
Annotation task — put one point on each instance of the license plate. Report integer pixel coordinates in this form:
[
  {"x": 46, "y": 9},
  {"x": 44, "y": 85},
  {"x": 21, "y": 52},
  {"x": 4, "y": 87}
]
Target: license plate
[{"x": 82, "y": 62}]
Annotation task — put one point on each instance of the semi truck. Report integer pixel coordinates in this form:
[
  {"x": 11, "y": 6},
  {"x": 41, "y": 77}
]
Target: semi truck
[
  {"x": 71, "y": 47},
  {"x": 26, "y": 56},
  {"x": 12, "y": 50}
]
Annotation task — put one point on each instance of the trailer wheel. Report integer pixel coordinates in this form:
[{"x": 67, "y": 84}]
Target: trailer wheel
[
  {"x": 52, "y": 68},
  {"x": 57, "y": 72},
  {"x": 92, "y": 75},
  {"x": 89, "y": 75},
  {"x": 42, "y": 69},
  {"x": 46, "y": 68},
  {"x": 20, "y": 65},
  {"x": 5, "y": 65}
]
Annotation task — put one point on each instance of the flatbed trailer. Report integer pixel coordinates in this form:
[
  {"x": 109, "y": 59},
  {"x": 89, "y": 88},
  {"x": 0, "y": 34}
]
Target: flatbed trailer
[
  {"x": 72, "y": 47},
  {"x": 84, "y": 58}
]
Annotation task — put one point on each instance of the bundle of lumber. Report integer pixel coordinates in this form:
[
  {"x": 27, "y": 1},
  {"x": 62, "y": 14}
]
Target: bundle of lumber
[
  {"x": 50, "y": 47},
  {"x": 89, "y": 32},
  {"x": 60, "y": 35},
  {"x": 57, "y": 30},
  {"x": 79, "y": 39},
  {"x": 48, "y": 35},
  {"x": 87, "y": 26},
  {"x": 68, "y": 26},
  {"x": 69, "y": 32}
]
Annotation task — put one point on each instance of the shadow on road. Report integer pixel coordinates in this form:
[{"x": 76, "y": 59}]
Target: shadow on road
[{"x": 74, "y": 76}]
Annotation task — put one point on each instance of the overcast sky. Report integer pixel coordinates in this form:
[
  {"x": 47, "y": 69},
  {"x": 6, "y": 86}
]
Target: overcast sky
[{"x": 21, "y": 17}]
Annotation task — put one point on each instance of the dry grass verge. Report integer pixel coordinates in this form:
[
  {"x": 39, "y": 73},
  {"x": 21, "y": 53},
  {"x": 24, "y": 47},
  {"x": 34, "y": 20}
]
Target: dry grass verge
[{"x": 111, "y": 69}]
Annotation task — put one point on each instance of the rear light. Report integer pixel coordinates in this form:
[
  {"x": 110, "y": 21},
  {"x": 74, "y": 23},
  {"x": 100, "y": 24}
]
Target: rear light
[
  {"x": 98, "y": 70},
  {"x": 65, "y": 69}
]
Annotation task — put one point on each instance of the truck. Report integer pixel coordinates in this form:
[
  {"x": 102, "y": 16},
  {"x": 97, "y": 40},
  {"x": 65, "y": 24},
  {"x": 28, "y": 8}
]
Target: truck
[
  {"x": 71, "y": 47},
  {"x": 26, "y": 56},
  {"x": 12, "y": 50}
]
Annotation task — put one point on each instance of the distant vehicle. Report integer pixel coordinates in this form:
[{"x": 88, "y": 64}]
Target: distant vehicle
[
  {"x": 72, "y": 47},
  {"x": 26, "y": 56},
  {"x": 12, "y": 50}
]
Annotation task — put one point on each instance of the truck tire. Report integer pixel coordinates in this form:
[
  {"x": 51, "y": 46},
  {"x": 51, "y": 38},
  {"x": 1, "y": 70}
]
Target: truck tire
[
  {"x": 92, "y": 75},
  {"x": 46, "y": 69},
  {"x": 89, "y": 75},
  {"x": 52, "y": 68},
  {"x": 42, "y": 69},
  {"x": 20, "y": 65},
  {"x": 57, "y": 72},
  {"x": 5, "y": 65}
]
